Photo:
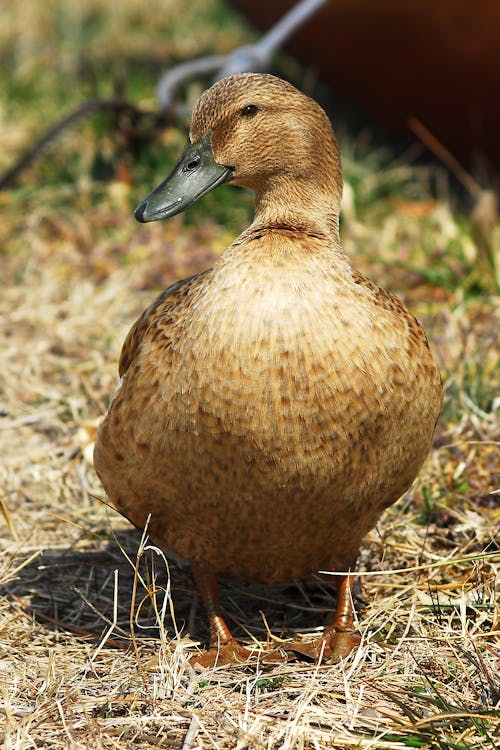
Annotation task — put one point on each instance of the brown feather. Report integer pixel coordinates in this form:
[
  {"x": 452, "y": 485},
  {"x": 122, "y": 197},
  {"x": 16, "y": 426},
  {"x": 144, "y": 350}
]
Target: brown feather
[{"x": 273, "y": 406}]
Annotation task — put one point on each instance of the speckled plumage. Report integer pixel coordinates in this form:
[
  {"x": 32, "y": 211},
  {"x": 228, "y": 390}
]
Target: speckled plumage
[{"x": 271, "y": 407}]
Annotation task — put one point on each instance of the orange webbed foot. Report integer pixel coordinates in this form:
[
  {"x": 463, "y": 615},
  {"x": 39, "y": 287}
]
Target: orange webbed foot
[
  {"x": 340, "y": 638},
  {"x": 233, "y": 653},
  {"x": 331, "y": 647}
]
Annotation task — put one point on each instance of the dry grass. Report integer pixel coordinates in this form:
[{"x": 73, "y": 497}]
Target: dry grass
[{"x": 96, "y": 628}]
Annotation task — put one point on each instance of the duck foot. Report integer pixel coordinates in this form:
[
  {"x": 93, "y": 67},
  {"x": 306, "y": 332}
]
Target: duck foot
[
  {"x": 339, "y": 638},
  {"x": 224, "y": 649},
  {"x": 233, "y": 653},
  {"x": 333, "y": 646}
]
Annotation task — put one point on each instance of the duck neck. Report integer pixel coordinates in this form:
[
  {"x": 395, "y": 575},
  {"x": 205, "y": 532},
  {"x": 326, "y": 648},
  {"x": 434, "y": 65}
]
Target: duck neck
[{"x": 297, "y": 204}]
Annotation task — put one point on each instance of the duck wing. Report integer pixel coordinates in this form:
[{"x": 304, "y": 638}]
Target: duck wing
[{"x": 167, "y": 299}]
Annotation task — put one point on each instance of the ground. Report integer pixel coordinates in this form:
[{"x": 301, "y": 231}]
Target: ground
[{"x": 97, "y": 628}]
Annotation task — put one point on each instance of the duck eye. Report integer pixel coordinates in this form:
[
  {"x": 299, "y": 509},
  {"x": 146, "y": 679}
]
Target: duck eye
[{"x": 249, "y": 111}]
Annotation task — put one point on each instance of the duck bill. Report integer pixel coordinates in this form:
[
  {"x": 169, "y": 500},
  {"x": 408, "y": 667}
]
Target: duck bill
[{"x": 195, "y": 174}]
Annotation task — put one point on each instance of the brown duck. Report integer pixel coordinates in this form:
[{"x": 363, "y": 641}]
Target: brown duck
[{"x": 272, "y": 406}]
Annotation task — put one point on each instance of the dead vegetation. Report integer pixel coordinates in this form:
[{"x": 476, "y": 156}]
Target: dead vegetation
[{"x": 96, "y": 628}]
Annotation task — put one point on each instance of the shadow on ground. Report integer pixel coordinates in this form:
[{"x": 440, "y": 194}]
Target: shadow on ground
[{"x": 78, "y": 591}]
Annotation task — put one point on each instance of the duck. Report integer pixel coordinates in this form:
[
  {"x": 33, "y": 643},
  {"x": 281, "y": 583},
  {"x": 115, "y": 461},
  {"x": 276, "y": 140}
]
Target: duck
[{"x": 271, "y": 407}]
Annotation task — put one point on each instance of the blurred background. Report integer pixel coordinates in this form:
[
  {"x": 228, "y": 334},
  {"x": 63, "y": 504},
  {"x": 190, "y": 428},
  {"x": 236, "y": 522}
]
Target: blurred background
[
  {"x": 412, "y": 92},
  {"x": 435, "y": 60}
]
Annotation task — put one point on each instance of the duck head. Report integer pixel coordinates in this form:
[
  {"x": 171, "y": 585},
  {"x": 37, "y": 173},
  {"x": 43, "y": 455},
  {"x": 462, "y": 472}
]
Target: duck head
[{"x": 260, "y": 132}]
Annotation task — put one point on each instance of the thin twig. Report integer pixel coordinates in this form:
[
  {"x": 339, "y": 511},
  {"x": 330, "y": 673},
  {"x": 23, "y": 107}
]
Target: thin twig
[
  {"x": 416, "y": 568},
  {"x": 112, "y": 625},
  {"x": 63, "y": 625},
  {"x": 99, "y": 614},
  {"x": 437, "y": 148},
  {"x": 191, "y": 733},
  {"x": 137, "y": 576},
  {"x": 10, "y": 177},
  {"x": 13, "y": 573}
]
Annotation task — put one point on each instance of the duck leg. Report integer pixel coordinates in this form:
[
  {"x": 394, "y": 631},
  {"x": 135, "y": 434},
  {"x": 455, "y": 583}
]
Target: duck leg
[
  {"x": 339, "y": 638},
  {"x": 224, "y": 649},
  {"x": 223, "y": 646}
]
